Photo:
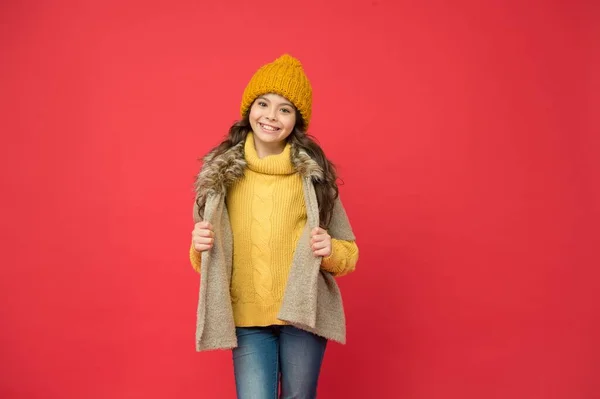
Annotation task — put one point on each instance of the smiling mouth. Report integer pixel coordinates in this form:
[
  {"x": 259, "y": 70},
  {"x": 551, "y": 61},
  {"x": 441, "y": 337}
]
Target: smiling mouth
[{"x": 268, "y": 128}]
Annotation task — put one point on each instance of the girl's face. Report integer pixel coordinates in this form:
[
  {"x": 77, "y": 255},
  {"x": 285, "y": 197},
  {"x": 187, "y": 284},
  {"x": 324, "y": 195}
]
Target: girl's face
[{"x": 272, "y": 118}]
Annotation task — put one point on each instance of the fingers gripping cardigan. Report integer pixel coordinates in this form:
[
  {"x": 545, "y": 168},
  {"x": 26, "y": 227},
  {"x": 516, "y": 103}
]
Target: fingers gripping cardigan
[{"x": 312, "y": 299}]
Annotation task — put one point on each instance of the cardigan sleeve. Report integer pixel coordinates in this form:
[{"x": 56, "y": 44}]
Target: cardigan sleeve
[
  {"x": 343, "y": 258},
  {"x": 195, "y": 258}
]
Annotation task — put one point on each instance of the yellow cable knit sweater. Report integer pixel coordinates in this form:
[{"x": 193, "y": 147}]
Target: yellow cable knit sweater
[{"x": 267, "y": 214}]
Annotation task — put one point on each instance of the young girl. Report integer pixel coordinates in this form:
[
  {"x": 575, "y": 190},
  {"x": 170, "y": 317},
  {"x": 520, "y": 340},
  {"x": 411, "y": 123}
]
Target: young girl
[{"x": 270, "y": 235}]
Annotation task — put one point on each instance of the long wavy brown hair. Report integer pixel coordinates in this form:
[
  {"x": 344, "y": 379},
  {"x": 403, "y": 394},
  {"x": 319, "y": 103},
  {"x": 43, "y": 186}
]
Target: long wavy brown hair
[{"x": 326, "y": 189}]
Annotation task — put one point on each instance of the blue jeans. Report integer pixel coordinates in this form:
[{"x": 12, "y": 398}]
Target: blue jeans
[{"x": 266, "y": 353}]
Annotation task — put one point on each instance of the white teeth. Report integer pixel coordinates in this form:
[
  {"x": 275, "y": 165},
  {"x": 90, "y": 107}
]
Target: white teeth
[{"x": 269, "y": 128}]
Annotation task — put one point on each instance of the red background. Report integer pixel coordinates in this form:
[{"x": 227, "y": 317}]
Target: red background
[{"x": 467, "y": 135}]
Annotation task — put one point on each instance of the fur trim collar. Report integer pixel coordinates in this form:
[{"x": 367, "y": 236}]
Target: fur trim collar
[{"x": 218, "y": 173}]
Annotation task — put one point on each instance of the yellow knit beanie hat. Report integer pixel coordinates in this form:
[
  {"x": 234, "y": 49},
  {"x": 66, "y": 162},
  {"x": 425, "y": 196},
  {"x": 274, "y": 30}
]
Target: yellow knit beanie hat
[{"x": 284, "y": 76}]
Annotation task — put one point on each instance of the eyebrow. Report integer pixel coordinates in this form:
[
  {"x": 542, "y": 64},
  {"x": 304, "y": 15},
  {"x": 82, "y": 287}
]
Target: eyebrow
[{"x": 284, "y": 103}]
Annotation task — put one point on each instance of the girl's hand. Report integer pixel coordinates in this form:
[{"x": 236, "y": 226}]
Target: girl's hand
[
  {"x": 320, "y": 242},
  {"x": 203, "y": 236}
]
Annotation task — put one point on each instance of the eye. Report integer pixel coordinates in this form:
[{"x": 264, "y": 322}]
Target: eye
[
  {"x": 285, "y": 110},
  {"x": 262, "y": 104}
]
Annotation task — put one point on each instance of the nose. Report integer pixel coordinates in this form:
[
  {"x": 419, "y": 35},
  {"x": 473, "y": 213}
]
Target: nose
[{"x": 271, "y": 114}]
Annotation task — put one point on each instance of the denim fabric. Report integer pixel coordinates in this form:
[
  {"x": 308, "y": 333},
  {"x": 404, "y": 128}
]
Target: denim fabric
[{"x": 269, "y": 356}]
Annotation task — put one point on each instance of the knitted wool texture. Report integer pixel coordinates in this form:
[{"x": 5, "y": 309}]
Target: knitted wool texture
[{"x": 284, "y": 76}]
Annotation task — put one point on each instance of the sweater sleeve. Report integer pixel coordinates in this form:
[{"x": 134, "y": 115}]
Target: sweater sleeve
[
  {"x": 343, "y": 258},
  {"x": 195, "y": 258}
]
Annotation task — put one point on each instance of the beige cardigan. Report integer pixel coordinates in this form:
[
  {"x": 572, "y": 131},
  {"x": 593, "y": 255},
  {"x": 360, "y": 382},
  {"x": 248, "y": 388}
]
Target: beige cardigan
[{"x": 312, "y": 299}]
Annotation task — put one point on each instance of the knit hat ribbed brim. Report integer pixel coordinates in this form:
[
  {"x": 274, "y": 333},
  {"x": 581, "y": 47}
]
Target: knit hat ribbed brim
[{"x": 284, "y": 76}]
